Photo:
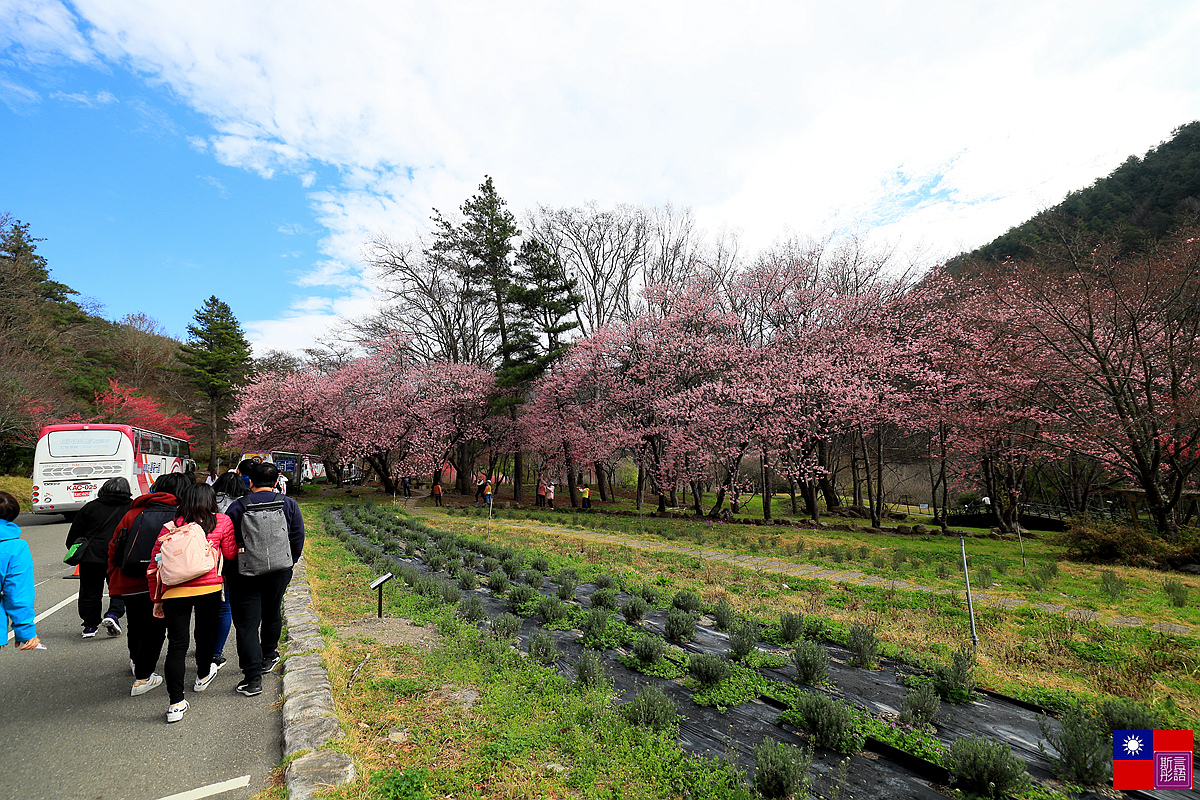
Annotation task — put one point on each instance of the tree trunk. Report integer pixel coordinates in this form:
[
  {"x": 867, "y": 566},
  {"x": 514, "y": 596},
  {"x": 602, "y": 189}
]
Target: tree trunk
[
  {"x": 601, "y": 486},
  {"x": 877, "y": 511},
  {"x": 675, "y": 495},
  {"x": 698, "y": 497},
  {"x": 792, "y": 492},
  {"x": 832, "y": 500},
  {"x": 855, "y": 478},
  {"x": 572, "y": 486},
  {"x": 641, "y": 482},
  {"x": 875, "y": 520},
  {"x": 720, "y": 501},
  {"x": 767, "y": 494},
  {"x": 807, "y": 495},
  {"x": 811, "y": 500},
  {"x": 380, "y": 465}
]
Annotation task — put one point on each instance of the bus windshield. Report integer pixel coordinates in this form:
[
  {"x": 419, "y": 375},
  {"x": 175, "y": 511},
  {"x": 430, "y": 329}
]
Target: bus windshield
[{"x": 80, "y": 444}]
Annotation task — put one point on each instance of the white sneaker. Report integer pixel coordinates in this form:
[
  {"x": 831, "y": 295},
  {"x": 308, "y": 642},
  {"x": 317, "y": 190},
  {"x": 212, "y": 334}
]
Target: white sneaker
[
  {"x": 141, "y": 687},
  {"x": 175, "y": 711},
  {"x": 202, "y": 683}
]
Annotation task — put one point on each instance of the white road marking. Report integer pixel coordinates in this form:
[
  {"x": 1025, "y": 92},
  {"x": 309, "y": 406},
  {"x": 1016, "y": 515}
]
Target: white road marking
[
  {"x": 48, "y": 612},
  {"x": 211, "y": 789}
]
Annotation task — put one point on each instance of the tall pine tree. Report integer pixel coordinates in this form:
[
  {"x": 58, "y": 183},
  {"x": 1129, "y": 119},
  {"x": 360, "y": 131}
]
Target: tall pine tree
[{"x": 216, "y": 360}]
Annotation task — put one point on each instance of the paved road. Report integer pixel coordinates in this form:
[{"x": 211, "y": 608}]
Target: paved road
[{"x": 70, "y": 731}]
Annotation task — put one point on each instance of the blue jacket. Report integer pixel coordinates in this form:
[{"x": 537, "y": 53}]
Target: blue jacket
[{"x": 16, "y": 581}]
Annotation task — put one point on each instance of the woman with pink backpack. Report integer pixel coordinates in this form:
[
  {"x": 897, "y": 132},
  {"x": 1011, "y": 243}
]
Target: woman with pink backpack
[{"x": 185, "y": 576}]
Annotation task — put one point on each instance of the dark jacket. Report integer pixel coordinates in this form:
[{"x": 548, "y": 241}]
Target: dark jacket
[
  {"x": 118, "y": 582},
  {"x": 96, "y": 522},
  {"x": 290, "y": 510}
]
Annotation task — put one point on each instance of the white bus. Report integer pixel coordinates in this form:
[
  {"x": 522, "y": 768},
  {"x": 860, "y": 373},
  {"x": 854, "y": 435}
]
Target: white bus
[{"x": 72, "y": 462}]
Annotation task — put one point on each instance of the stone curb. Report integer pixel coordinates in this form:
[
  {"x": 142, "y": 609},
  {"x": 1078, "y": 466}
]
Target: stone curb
[{"x": 309, "y": 719}]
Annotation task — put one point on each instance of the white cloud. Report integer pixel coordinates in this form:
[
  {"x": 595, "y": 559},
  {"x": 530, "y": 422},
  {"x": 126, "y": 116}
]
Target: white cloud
[
  {"x": 307, "y": 320},
  {"x": 764, "y": 117},
  {"x": 101, "y": 98}
]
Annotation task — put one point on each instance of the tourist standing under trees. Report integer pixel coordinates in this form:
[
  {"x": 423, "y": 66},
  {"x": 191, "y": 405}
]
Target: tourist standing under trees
[
  {"x": 437, "y": 494},
  {"x": 587, "y": 497},
  {"x": 95, "y": 523},
  {"x": 541, "y": 493},
  {"x": 550, "y": 495}
]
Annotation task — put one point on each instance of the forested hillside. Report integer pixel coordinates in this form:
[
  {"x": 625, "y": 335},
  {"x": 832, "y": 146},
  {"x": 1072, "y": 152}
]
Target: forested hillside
[
  {"x": 63, "y": 359},
  {"x": 1136, "y": 205}
]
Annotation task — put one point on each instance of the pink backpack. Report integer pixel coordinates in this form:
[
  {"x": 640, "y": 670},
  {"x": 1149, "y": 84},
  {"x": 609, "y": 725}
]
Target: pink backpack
[{"x": 186, "y": 554}]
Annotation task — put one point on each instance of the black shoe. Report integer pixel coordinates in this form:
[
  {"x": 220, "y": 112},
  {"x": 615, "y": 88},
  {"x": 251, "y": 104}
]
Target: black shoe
[
  {"x": 250, "y": 687},
  {"x": 219, "y": 661},
  {"x": 270, "y": 664}
]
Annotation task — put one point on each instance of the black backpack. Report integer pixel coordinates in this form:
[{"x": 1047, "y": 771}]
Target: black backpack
[{"x": 139, "y": 539}]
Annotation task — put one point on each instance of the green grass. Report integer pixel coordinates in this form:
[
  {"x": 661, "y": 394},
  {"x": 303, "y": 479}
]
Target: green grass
[{"x": 20, "y": 488}]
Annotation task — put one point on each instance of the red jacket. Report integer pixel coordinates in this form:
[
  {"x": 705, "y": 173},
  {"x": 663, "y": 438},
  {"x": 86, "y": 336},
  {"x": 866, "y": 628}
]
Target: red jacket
[
  {"x": 118, "y": 582},
  {"x": 221, "y": 535}
]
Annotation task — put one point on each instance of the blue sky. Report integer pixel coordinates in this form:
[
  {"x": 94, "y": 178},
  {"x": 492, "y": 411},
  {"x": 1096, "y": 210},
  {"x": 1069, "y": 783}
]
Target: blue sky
[{"x": 167, "y": 152}]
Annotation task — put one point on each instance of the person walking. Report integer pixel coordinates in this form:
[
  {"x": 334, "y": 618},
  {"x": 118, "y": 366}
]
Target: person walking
[
  {"x": 257, "y": 599},
  {"x": 95, "y": 524},
  {"x": 541, "y": 494},
  {"x": 406, "y": 485},
  {"x": 550, "y": 495},
  {"x": 175, "y": 604},
  {"x": 128, "y": 557},
  {"x": 229, "y": 487},
  {"x": 437, "y": 494},
  {"x": 16, "y": 577},
  {"x": 587, "y": 497}
]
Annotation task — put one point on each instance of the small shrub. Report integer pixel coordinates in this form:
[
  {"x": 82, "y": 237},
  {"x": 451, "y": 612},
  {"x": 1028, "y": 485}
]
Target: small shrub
[
  {"x": 505, "y": 626},
  {"x": 742, "y": 638},
  {"x": 864, "y": 553},
  {"x": 878, "y": 562},
  {"x": 567, "y": 574},
  {"x": 512, "y": 566},
  {"x": 605, "y": 598},
  {"x": 589, "y": 669},
  {"x": 566, "y": 589},
  {"x": 648, "y": 593},
  {"x": 724, "y": 614},
  {"x": 920, "y": 705},
  {"x": 983, "y": 578},
  {"x": 490, "y": 565},
  {"x": 812, "y": 663},
  {"x": 1083, "y": 745},
  {"x": 634, "y": 610},
  {"x": 450, "y": 592},
  {"x": 686, "y": 600},
  {"x": 1128, "y": 715},
  {"x": 681, "y": 625},
  {"x": 1048, "y": 570},
  {"x": 1177, "y": 593},
  {"x": 410, "y": 549},
  {"x": 791, "y": 626},
  {"x": 427, "y": 586},
  {"x": 956, "y": 682},
  {"x": 1112, "y": 585},
  {"x": 831, "y": 722},
  {"x": 1108, "y": 542},
  {"x": 648, "y": 649},
  {"x": 534, "y": 578},
  {"x": 651, "y": 708},
  {"x": 864, "y": 646},
  {"x": 498, "y": 581},
  {"x": 899, "y": 556},
  {"x": 551, "y": 609},
  {"x": 542, "y": 648},
  {"x": 467, "y": 579},
  {"x": 470, "y": 608},
  {"x": 1036, "y": 581},
  {"x": 1001, "y": 566},
  {"x": 519, "y": 596},
  {"x": 540, "y": 563},
  {"x": 594, "y": 625},
  {"x": 435, "y": 561},
  {"x": 605, "y": 581},
  {"x": 709, "y": 668},
  {"x": 986, "y": 768},
  {"x": 781, "y": 770}
]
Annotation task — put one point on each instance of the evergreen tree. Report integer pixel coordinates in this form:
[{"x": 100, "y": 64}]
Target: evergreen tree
[{"x": 216, "y": 360}]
